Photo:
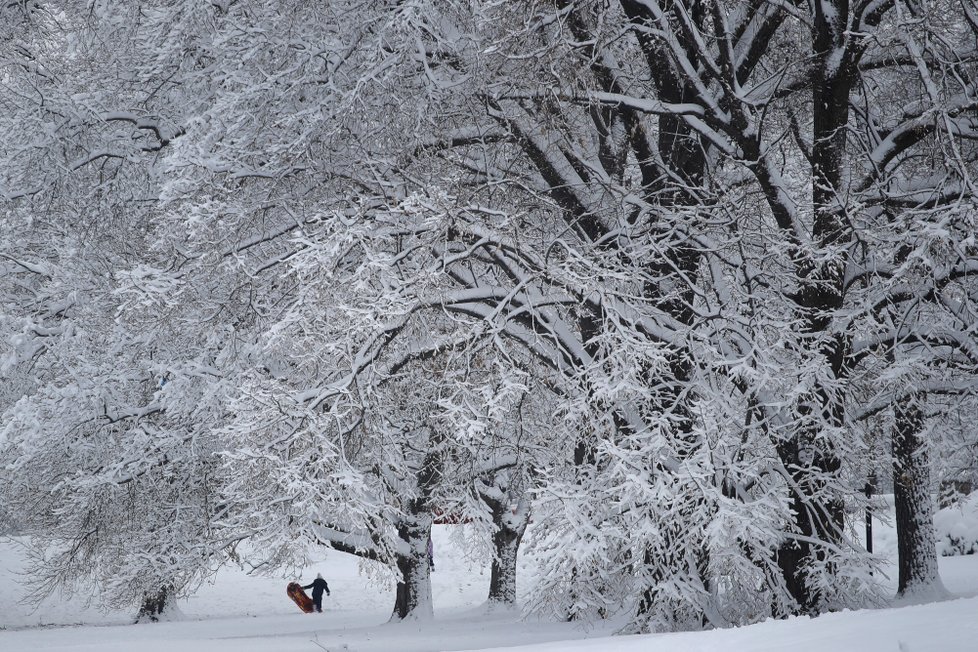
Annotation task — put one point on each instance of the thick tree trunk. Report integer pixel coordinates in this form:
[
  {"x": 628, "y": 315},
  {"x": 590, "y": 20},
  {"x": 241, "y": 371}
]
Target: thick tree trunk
[
  {"x": 662, "y": 609},
  {"x": 413, "y": 598},
  {"x": 818, "y": 517},
  {"x": 502, "y": 578},
  {"x": 683, "y": 155},
  {"x": 916, "y": 543},
  {"x": 506, "y": 543},
  {"x": 155, "y": 604}
]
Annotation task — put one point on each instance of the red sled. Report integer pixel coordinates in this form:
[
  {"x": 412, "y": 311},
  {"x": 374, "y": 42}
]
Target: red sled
[{"x": 299, "y": 597}]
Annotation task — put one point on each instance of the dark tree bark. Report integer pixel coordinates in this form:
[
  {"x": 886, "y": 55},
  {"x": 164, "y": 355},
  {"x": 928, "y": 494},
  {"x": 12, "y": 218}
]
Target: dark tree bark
[
  {"x": 870, "y": 490},
  {"x": 916, "y": 543},
  {"x": 822, "y": 292},
  {"x": 683, "y": 155},
  {"x": 154, "y": 604},
  {"x": 502, "y": 578},
  {"x": 816, "y": 517},
  {"x": 414, "y": 585},
  {"x": 506, "y": 544}
]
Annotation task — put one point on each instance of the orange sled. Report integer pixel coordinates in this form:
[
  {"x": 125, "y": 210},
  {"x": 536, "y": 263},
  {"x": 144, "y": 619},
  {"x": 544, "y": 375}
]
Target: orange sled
[{"x": 299, "y": 597}]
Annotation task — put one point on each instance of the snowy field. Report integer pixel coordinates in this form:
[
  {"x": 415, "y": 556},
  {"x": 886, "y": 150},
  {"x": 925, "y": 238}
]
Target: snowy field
[{"x": 241, "y": 613}]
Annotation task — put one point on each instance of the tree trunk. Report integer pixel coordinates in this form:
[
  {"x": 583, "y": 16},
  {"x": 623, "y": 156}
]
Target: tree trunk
[
  {"x": 916, "y": 542},
  {"x": 413, "y": 598},
  {"x": 791, "y": 557},
  {"x": 816, "y": 518},
  {"x": 821, "y": 292},
  {"x": 869, "y": 490},
  {"x": 506, "y": 541},
  {"x": 155, "y": 604},
  {"x": 684, "y": 157},
  {"x": 502, "y": 578}
]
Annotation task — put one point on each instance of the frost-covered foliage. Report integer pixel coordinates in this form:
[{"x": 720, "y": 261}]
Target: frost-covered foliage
[
  {"x": 957, "y": 528},
  {"x": 308, "y": 272},
  {"x": 107, "y": 464}
]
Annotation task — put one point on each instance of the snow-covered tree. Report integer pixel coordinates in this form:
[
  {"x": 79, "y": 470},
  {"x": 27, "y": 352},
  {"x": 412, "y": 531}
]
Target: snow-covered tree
[
  {"x": 107, "y": 470},
  {"x": 712, "y": 243}
]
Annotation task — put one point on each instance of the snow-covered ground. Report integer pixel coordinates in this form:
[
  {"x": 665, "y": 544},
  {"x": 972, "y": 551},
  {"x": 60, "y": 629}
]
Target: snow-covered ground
[{"x": 243, "y": 613}]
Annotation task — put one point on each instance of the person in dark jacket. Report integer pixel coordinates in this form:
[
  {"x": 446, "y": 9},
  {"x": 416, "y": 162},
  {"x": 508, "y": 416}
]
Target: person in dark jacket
[{"x": 318, "y": 586}]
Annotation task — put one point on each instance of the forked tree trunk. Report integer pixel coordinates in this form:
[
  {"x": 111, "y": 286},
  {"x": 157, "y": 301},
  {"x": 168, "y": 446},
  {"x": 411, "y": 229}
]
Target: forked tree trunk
[{"x": 916, "y": 542}]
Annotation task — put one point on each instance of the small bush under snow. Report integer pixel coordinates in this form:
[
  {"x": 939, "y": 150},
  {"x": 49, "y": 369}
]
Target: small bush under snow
[{"x": 957, "y": 528}]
